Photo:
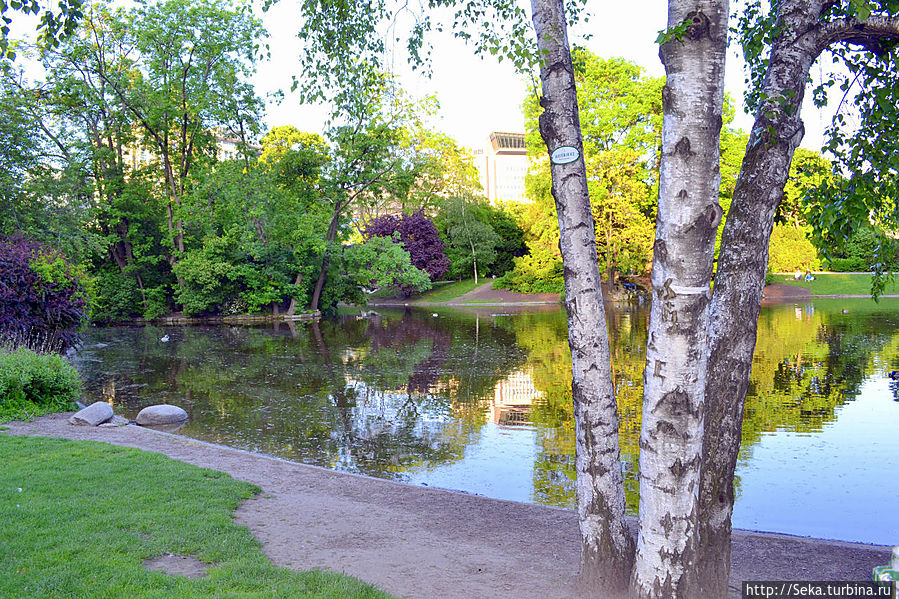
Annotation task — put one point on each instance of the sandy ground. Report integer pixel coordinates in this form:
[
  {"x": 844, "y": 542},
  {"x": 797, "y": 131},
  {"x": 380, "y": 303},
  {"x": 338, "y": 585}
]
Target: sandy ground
[
  {"x": 779, "y": 291},
  {"x": 427, "y": 543}
]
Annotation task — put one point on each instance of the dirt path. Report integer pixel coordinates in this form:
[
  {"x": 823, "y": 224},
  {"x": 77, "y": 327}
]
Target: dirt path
[
  {"x": 486, "y": 294},
  {"x": 425, "y": 543}
]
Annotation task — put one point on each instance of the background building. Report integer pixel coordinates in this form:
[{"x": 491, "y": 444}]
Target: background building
[{"x": 502, "y": 164}]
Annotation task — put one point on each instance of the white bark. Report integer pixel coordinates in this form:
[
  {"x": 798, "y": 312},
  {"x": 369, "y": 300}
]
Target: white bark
[
  {"x": 674, "y": 378},
  {"x": 607, "y": 550},
  {"x": 742, "y": 262}
]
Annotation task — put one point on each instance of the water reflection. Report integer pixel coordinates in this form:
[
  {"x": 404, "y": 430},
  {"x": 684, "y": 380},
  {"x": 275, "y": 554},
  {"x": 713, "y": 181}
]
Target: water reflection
[{"x": 481, "y": 401}]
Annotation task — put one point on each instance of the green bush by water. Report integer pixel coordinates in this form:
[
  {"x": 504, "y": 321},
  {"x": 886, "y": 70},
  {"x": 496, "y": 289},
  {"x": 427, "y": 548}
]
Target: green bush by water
[
  {"x": 78, "y": 518},
  {"x": 32, "y": 384}
]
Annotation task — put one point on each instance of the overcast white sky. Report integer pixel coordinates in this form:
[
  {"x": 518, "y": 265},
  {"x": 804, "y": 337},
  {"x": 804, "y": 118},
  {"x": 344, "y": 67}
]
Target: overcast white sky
[{"x": 477, "y": 95}]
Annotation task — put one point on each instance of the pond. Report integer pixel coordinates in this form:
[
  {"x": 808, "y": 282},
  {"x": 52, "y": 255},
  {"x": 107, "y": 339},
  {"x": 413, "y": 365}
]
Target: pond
[{"x": 480, "y": 401}]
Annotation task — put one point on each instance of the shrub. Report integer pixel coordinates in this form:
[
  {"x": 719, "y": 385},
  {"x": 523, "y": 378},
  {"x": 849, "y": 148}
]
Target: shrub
[
  {"x": 118, "y": 297},
  {"x": 42, "y": 295},
  {"x": 419, "y": 237},
  {"x": 790, "y": 249},
  {"x": 854, "y": 264},
  {"x": 538, "y": 272},
  {"x": 32, "y": 384}
]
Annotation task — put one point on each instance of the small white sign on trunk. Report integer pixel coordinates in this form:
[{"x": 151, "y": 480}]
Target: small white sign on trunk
[{"x": 564, "y": 155}]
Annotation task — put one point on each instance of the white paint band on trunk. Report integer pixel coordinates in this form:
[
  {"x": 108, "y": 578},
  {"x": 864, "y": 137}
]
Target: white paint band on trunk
[{"x": 688, "y": 290}]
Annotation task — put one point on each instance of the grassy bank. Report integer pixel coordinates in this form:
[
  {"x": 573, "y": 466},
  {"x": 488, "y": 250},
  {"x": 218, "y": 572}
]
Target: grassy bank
[
  {"x": 447, "y": 291},
  {"x": 33, "y": 384},
  {"x": 77, "y": 519},
  {"x": 839, "y": 283}
]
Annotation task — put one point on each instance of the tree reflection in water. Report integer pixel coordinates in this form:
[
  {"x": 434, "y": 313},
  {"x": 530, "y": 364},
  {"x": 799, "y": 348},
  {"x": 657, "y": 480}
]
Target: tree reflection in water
[{"x": 404, "y": 392}]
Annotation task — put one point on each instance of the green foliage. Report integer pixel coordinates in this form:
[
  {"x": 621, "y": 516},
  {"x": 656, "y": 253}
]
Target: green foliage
[
  {"x": 470, "y": 241},
  {"x": 540, "y": 270},
  {"x": 511, "y": 239},
  {"x": 118, "y": 296},
  {"x": 866, "y": 249},
  {"x": 129, "y": 505},
  {"x": 673, "y": 33},
  {"x": 207, "y": 275},
  {"x": 622, "y": 212},
  {"x": 52, "y": 27},
  {"x": 790, "y": 250},
  {"x": 621, "y": 120},
  {"x": 380, "y": 262},
  {"x": 32, "y": 384},
  {"x": 862, "y": 187}
]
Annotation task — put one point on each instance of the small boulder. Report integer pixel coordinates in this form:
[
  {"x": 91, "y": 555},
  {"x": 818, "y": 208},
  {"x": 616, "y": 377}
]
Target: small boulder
[
  {"x": 160, "y": 415},
  {"x": 115, "y": 421},
  {"x": 95, "y": 414}
]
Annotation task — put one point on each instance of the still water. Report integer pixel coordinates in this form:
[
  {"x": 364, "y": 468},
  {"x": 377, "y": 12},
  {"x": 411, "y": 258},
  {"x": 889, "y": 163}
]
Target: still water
[{"x": 480, "y": 401}]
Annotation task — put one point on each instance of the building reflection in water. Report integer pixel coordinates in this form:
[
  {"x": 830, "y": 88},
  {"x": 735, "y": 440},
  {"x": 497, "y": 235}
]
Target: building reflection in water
[{"x": 513, "y": 398}]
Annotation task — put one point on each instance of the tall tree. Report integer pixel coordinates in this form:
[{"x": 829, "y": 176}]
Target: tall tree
[
  {"x": 674, "y": 379},
  {"x": 185, "y": 74},
  {"x": 365, "y": 164},
  {"x": 470, "y": 239},
  {"x": 781, "y": 45},
  {"x": 607, "y": 554}
]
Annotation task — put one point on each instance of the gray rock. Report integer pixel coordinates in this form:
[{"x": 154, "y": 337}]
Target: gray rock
[
  {"x": 161, "y": 414},
  {"x": 115, "y": 421},
  {"x": 95, "y": 414}
]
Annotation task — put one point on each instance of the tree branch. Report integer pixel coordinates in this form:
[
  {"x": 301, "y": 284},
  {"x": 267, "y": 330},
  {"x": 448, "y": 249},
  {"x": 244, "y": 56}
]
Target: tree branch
[{"x": 876, "y": 34}]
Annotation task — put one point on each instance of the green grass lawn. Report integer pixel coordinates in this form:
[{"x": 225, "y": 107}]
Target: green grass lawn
[
  {"x": 78, "y": 518},
  {"x": 447, "y": 291},
  {"x": 838, "y": 284}
]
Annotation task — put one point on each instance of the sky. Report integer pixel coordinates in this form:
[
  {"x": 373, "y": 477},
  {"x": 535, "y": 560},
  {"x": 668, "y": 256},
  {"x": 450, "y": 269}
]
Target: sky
[{"x": 478, "y": 95}]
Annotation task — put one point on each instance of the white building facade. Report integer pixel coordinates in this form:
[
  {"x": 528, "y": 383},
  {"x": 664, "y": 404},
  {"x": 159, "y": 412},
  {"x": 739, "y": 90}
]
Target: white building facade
[{"x": 502, "y": 165}]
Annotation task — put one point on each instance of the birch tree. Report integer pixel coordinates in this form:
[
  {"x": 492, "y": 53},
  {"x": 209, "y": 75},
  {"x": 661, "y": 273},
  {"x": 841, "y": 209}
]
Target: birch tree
[
  {"x": 671, "y": 436},
  {"x": 607, "y": 545},
  {"x": 781, "y": 45}
]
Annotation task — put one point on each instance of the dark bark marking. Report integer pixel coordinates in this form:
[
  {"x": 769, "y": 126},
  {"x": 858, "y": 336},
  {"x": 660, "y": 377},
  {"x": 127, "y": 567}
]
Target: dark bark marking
[
  {"x": 683, "y": 148},
  {"x": 665, "y": 428},
  {"x": 659, "y": 365},
  {"x": 668, "y": 291},
  {"x": 699, "y": 25},
  {"x": 675, "y": 405},
  {"x": 667, "y": 99},
  {"x": 713, "y": 213},
  {"x": 660, "y": 251}
]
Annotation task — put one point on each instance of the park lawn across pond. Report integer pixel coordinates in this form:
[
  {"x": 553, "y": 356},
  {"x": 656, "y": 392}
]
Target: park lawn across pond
[
  {"x": 838, "y": 283},
  {"x": 78, "y": 518},
  {"x": 444, "y": 292}
]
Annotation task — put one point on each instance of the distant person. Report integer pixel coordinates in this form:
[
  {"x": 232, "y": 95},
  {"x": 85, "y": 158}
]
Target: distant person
[
  {"x": 797, "y": 275},
  {"x": 808, "y": 276}
]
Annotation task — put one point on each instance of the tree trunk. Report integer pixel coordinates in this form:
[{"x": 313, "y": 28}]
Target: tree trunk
[
  {"x": 739, "y": 281},
  {"x": 674, "y": 378},
  {"x": 607, "y": 546},
  {"x": 292, "y": 309},
  {"x": 320, "y": 282}
]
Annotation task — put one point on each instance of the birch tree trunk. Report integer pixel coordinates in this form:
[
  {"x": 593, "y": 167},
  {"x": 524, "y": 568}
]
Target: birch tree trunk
[
  {"x": 675, "y": 373},
  {"x": 607, "y": 547},
  {"x": 742, "y": 264}
]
